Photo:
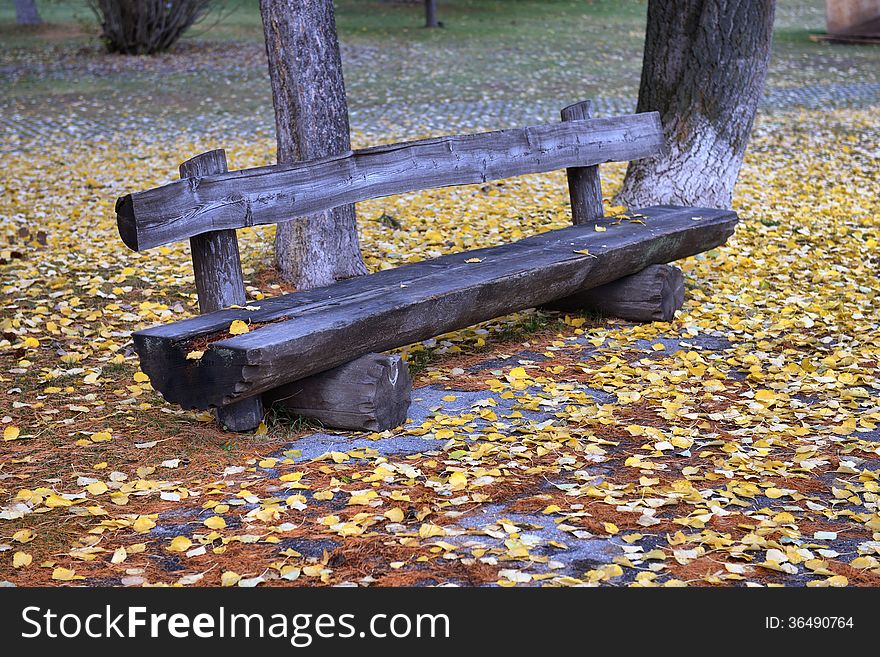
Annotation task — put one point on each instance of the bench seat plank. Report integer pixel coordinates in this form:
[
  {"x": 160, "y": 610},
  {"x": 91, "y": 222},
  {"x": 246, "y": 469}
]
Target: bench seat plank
[{"x": 313, "y": 331}]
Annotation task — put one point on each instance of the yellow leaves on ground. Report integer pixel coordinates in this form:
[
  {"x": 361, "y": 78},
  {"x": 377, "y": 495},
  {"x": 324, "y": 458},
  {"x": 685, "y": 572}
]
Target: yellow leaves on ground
[
  {"x": 214, "y": 522},
  {"x": 97, "y": 488},
  {"x": 65, "y": 574},
  {"x": 53, "y": 501},
  {"x": 428, "y": 530},
  {"x": 11, "y": 433},
  {"x": 458, "y": 480},
  {"x": 143, "y": 524},
  {"x": 180, "y": 544},
  {"x": 23, "y": 536},
  {"x": 395, "y": 515},
  {"x": 229, "y": 578},
  {"x": 21, "y": 559},
  {"x": 238, "y": 327},
  {"x": 765, "y": 396},
  {"x": 364, "y": 497}
]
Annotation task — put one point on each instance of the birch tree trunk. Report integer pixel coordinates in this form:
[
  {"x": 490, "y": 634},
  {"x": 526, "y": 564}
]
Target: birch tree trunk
[
  {"x": 704, "y": 67},
  {"x": 311, "y": 120},
  {"x": 26, "y": 12}
]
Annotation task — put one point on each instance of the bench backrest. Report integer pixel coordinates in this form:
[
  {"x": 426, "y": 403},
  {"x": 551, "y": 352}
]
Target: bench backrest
[{"x": 210, "y": 201}]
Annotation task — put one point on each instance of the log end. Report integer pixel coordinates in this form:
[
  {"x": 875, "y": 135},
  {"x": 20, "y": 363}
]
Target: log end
[
  {"x": 202, "y": 384},
  {"x": 672, "y": 293},
  {"x": 579, "y": 111},
  {"x": 126, "y": 222},
  {"x": 393, "y": 394}
]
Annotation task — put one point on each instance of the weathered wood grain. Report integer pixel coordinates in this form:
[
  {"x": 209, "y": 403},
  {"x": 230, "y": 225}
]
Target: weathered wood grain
[
  {"x": 326, "y": 327},
  {"x": 277, "y": 193},
  {"x": 652, "y": 295},
  {"x": 219, "y": 282},
  {"x": 584, "y": 185},
  {"x": 370, "y": 393}
]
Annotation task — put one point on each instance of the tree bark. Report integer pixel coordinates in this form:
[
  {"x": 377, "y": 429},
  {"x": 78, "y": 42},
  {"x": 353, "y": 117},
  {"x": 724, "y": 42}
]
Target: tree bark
[
  {"x": 431, "y": 13},
  {"x": 26, "y": 12},
  {"x": 704, "y": 67},
  {"x": 311, "y": 121}
]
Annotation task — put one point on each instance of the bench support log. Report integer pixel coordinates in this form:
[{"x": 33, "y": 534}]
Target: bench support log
[
  {"x": 370, "y": 393},
  {"x": 652, "y": 295},
  {"x": 219, "y": 282}
]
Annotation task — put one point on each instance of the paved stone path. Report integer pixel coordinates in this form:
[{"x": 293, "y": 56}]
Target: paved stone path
[{"x": 19, "y": 131}]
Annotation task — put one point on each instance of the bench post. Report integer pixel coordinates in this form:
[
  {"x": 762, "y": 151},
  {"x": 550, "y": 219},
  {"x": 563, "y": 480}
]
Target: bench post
[
  {"x": 584, "y": 187},
  {"x": 653, "y": 294},
  {"x": 220, "y": 283}
]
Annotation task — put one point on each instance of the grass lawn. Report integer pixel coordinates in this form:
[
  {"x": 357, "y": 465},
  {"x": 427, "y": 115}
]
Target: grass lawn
[{"x": 501, "y": 50}]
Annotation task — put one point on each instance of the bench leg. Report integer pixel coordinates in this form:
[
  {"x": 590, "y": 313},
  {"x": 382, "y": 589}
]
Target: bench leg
[
  {"x": 370, "y": 393},
  {"x": 245, "y": 415},
  {"x": 220, "y": 283},
  {"x": 652, "y": 295}
]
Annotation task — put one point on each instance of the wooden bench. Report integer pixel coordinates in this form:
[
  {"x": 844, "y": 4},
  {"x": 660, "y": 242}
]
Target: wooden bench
[{"x": 296, "y": 340}]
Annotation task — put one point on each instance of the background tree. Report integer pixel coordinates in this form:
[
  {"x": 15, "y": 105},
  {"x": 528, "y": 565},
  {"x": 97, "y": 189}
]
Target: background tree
[
  {"x": 431, "y": 14},
  {"x": 311, "y": 120},
  {"x": 26, "y": 12},
  {"x": 704, "y": 67}
]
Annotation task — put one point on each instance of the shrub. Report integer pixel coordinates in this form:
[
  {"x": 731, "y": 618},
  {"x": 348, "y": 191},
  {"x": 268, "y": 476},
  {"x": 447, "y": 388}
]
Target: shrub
[{"x": 145, "y": 27}]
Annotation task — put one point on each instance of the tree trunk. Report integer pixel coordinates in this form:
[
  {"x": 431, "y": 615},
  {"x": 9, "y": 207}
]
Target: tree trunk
[
  {"x": 311, "y": 121},
  {"x": 704, "y": 68},
  {"x": 431, "y": 13},
  {"x": 26, "y": 12}
]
